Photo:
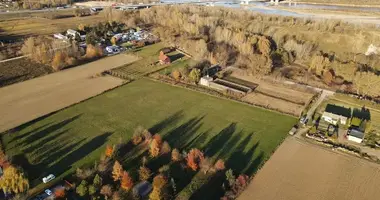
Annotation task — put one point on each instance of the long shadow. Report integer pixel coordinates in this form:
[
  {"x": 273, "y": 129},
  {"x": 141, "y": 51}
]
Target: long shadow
[
  {"x": 65, "y": 164},
  {"x": 18, "y": 137},
  {"x": 218, "y": 142},
  {"x": 179, "y": 136},
  {"x": 10, "y": 79},
  {"x": 41, "y": 144},
  {"x": 166, "y": 122},
  {"x": 47, "y": 131}
]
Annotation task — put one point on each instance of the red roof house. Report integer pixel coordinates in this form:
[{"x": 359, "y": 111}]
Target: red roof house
[{"x": 164, "y": 59}]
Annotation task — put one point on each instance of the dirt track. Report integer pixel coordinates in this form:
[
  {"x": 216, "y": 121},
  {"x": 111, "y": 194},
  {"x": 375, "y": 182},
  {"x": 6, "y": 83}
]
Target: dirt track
[
  {"x": 25, "y": 101},
  {"x": 299, "y": 171}
]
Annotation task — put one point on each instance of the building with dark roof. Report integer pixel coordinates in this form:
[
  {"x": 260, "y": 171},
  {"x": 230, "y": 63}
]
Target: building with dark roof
[{"x": 334, "y": 114}]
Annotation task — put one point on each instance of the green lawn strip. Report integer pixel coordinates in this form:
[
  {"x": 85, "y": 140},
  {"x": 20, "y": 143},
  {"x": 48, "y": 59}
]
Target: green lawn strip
[
  {"x": 59, "y": 143},
  {"x": 176, "y": 65}
]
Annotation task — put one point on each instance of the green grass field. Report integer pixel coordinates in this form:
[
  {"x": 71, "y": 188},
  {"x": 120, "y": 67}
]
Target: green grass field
[{"x": 59, "y": 143}]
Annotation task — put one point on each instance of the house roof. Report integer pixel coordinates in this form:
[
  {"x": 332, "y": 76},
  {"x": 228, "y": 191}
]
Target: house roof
[
  {"x": 338, "y": 110},
  {"x": 163, "y": 57},
  {"x": 356, "y": 133},
  {"x": 143, "y": 188}
]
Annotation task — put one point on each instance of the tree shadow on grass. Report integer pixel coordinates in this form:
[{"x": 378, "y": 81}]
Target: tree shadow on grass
[
  {"x": 39, "y": 135},
  {"x": 20, "y": 136},
  {"x": 178, "y": 137},
  {"x": 166, "y": 122},
  {"x": 65, "y": 159}
]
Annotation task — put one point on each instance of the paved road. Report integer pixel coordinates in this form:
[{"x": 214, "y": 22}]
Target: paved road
[{"x": 25, "y": 101}]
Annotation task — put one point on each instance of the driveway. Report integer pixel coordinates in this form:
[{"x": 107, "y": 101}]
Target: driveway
[{"x": 25, "y": 101}]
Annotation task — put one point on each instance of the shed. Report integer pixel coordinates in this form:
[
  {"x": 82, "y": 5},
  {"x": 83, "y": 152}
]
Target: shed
[
  {"x": 334, "y": 114},
  {"x": 143, "y": 189},
  {"x": 355, "y": 135},
  {"x": 205, "y": 81}
]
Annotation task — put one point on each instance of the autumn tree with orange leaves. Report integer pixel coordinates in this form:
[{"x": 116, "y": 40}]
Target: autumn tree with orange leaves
[
  {"x": 176, "y": 155},
  {"x": 155, "y": 146},
  {"x": 59, "y": 193},
  {"x": 117, "y": 171},
  {"x": 194, "y": 158},
  {"x": 126, "y": 181}
]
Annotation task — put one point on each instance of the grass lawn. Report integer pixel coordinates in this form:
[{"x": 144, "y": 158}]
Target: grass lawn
[{"x": 59, "y": 143}]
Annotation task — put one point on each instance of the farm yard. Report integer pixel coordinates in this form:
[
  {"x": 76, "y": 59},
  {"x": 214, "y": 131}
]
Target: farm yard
[
  {"x": 148, "y": 62},
  {"x": 299, "y": 170},
  {"x": 63, "y": 141}
]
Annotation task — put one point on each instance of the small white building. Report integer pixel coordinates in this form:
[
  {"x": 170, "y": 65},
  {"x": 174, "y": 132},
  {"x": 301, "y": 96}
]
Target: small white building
[
  {"x": 355, "y": 135},
  {"x": 205, "y": 81}
]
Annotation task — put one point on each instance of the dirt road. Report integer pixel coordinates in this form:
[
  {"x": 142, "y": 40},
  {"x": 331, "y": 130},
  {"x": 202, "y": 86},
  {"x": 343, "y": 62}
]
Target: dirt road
[
  {"x": 299, "y": 171},
  {"x": 25, "y": 101}
]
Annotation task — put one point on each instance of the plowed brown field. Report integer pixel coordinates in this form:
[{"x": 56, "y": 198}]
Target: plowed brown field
[{"x": 301, "y": 171}]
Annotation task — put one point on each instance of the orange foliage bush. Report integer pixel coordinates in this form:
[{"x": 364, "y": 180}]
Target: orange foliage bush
[
  {"x": 109, "y": 151},
  {"x": 93, "y": 51},
  {"x": 194, "y": 157},
  {"x": 126, "y": 181},
  {"x": 219, "y": 165},
  {"x": 59, "y": 193},
  {"x": 165, "y": 148},
  {"x": 154, "y": 149}
]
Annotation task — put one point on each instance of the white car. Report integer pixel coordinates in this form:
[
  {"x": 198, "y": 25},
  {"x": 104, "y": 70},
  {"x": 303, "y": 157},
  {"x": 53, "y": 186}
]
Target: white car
[
  {"x": 48, "y": 178},
  {"x": 48, "y": 192}
]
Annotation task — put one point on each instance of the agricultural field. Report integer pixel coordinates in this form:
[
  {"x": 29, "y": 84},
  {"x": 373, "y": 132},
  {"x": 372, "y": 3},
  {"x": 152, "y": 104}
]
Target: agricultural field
[
  {"x": 276, "y": 96},
  {"x": 148, "y": 62},
  {"x": 299, "y": 170},
  {"x": 21, "y": 70},
  {"x": 244, "y": 136}
]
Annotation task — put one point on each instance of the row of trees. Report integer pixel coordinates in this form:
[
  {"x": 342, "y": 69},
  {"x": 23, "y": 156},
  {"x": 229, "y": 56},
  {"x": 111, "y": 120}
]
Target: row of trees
[{"x": 114, "y": 182}]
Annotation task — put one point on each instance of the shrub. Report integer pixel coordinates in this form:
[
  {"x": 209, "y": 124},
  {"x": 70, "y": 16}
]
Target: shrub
[
  {"x": 176, "y": 75},
  {"x": 82, "y": 189},
  {"x": 106, "y": 191},
  {"x": 165, "y": 149},
  {"x": 176, "y": 155},
  {"x": 219, "y": 165},
  {"x": 195, "y": 75},
  {"x": 59, "y": 61},
  {"x": 109, "y": 151}
]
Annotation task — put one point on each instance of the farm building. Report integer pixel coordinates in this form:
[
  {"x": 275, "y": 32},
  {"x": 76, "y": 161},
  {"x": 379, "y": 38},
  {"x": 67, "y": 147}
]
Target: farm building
[
  {"x": 164, "y": 59},
  {"x": 355, "y": 135},
  {"x": 334, "y": 114}
]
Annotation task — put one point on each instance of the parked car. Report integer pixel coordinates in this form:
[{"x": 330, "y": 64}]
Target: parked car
[
  {"x": 48, "y": 192},
  {"x": 112, "y": 50},
  {"x": 304, "y": 119},
  {"x": 48, "y": 178}
]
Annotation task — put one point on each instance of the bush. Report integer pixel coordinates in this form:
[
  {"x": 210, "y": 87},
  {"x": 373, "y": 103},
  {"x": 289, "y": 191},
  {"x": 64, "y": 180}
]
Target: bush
[{"x": 93, "y": 51}]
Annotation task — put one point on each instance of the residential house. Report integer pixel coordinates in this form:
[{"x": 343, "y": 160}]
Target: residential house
[
  {"x": 355, "y": 135},
  {"x": 164, "y": 59},
  {"x": 334, "y": 114}
]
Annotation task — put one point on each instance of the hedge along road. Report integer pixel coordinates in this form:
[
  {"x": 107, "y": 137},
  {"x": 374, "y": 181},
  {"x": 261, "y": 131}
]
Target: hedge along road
[{"x": 25, "y": 101}]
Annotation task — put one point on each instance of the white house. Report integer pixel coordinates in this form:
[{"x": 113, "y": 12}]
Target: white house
[
  {"x": 205, "y": 81},
  {"x": 355, "y": 135}
]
